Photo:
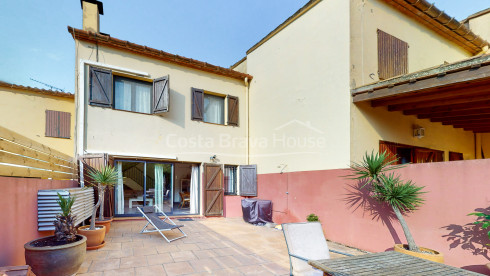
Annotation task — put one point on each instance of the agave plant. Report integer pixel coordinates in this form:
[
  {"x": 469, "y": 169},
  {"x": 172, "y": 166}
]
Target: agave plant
[
  {"x": 402, "y": 196},
  {"x": 104, "y": 177},
  {"x": 64, "y": 225}
]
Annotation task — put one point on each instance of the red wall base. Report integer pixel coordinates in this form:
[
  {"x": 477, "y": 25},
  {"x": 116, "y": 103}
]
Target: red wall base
[
  {"x": 18, "y": 205},
  {"x": 349, "y": 216}
]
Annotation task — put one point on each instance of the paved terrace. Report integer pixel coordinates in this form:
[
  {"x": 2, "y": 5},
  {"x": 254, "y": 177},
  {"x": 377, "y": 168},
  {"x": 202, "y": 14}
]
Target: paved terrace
[{"x": 214, "y": 246}]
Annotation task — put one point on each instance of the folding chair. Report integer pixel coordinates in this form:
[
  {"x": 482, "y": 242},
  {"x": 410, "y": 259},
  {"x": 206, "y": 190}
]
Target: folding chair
[
  {"x": 150, "y": 213},
  {"x": 305, "y": 241}
]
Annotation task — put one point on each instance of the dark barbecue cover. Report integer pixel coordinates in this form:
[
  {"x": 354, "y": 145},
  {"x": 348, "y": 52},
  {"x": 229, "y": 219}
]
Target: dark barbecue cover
[{"x": 257, "y": 211}]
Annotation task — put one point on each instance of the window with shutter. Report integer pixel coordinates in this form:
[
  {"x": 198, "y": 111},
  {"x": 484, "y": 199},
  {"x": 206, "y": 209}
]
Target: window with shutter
[
  {"x": 248, "y": 180},
  {"x": 160, "y": 95},
  {"x": 132, "y": 95},
  {"x": 230, "y": 177},
  {"x": 197, "y": 104},
  {"x": 232, "y": 111},
  {"x": 58, "y": 124},
  {"x": 392, "y": 56},
  {"x": 100, "y": 87}
]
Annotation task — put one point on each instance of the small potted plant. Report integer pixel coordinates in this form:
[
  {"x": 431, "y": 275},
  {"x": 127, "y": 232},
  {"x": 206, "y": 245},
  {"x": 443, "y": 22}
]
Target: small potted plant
[
  {"x": 61, "y": 254},
  {"x": 104, "y": 177},
  {"x": 402, "y": 196},
  {"x": 312, "y": 218}
]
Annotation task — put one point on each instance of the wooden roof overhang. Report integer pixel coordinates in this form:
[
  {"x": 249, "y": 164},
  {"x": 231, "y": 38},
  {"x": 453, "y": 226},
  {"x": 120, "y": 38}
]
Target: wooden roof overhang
[{"x": 455, "y": 94}]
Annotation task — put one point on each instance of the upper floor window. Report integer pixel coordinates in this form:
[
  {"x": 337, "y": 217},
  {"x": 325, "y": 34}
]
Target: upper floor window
[
  {"x": 392, "y": 56},
  {"x": 108, "y": 90},
  {"x": 132, "y": 95},
  {"x": 212, "y": 108}
]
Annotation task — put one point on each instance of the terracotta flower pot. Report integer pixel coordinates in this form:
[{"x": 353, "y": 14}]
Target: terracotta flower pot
[
  {"x": 106, "y": 223},
  {"x": 95, "y": 238},
  {"x": 56, "y": 260},
  {"x": 432, "y": 256}
]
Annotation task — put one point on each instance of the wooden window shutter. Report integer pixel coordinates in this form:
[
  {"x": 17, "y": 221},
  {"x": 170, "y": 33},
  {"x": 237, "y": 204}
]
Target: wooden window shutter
[
  {"x": 248, "y": 180},
  {"x": 197, "y": 104},
  {"x": 392, "y": 56},
  {"x": 58, "y": 124},
  {"x": 100, "y": 87},
  {"x": 390, "y": 149},
  {"x": 160, "y": 95},
  {"x": 232, "y": 110}
]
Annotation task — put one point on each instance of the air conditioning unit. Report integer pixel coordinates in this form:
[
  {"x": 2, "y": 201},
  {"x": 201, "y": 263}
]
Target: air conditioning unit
[
  {"x": 419, "y": 132},
  {"x": 48, "y": 208}
]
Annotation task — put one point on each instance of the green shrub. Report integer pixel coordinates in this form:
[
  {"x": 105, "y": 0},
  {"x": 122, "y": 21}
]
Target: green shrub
[{"x": 312, "y": 217}]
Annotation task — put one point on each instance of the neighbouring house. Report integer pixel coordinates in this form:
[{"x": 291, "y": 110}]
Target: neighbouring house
[
  {"x": 341, "y": 78},
  {"x": 45, "y": 116}
]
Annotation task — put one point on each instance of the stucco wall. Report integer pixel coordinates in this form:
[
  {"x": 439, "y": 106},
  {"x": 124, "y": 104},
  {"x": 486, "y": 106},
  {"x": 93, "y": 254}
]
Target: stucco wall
[
  {"x": 25, "y": 113},
  {"x": 172, "y": 134},
  {"x": 426, "y": 49},
  {"x": 481, "y": 26},
  {"x": 370, "y": 125},
  {"x": 349, "y": 216},
  {"x": 299, "y": 97},
  {"x": 18, "y": 202}
]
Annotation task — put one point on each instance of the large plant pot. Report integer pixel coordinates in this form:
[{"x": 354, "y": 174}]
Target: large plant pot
[
  {"x": 434, "y": 256},
  {"x": 56, "y": 260},
  {"x": 95, "y": 238},
  {"x": 106, "y": 223}
]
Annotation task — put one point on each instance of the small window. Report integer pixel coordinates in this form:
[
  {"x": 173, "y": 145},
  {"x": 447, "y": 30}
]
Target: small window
[
  {"x": 58, "y": 124},
  {"x": 132, "y": 95},
  {"x": 230, "y": 175},
  {"x": 214, "y": 109}
]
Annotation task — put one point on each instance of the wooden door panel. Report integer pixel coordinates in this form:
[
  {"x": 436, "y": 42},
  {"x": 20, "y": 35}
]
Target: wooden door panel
[{"x": 213, "y": 190}]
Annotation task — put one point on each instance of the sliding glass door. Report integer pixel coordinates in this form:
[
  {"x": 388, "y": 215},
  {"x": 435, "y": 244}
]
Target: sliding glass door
[{"x": 174, "y": 188}]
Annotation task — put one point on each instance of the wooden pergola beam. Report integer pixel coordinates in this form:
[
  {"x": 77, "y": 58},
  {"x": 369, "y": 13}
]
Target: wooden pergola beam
[
  {"x": 440, "y": 103},
  {"x": 447, "y": 108},
  {"x": 440, "y": 94},
  {"x": 467, "y": 75},
  {"x": 448, "y": 114},
  {"x": 478, "y": 117}
]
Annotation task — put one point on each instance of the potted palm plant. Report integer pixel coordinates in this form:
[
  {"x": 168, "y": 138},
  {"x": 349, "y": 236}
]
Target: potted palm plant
[
  {"x": 104, "y": 177},
  {"x": 61, "y": 254},
  {"x": 402, "y": 196}
]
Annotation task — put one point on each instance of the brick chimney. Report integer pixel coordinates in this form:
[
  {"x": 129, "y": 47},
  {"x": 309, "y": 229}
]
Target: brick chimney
[{"x": 91, "y": 10}]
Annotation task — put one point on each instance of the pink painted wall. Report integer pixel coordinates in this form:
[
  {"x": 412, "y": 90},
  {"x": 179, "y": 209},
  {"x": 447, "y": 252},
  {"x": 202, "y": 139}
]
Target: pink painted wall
[
  {"x": 454, "y": 189},
  {"x": 18, "y": 213}
]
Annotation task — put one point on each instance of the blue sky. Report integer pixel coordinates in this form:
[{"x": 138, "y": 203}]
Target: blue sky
[{"x": 35, "y": 42}]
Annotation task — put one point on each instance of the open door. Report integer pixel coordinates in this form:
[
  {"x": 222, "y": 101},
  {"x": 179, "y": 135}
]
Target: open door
[{"x": 213, "y": 190}]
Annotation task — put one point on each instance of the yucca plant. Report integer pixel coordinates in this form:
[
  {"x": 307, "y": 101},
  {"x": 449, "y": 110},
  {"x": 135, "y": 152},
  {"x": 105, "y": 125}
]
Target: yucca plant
[
  {"x": 64, "y": 225},
  {"x": 402, "y": 196},
  {"x": 484, "y": 223},
  {"x": 104, "y": 177}
]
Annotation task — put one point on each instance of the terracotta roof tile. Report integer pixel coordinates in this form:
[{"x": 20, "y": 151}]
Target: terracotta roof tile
[
  {"x": 124, "y": 45},
  {"x": 37, "y": 90}
]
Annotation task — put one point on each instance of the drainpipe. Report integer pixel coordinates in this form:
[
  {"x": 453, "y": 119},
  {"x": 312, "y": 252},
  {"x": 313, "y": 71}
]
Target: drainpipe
[{"x": 247, "y": 91}]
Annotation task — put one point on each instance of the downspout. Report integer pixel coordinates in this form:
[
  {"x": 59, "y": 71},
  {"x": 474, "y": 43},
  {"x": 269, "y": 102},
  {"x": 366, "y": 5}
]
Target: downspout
[{"x": 247, "y": 91}]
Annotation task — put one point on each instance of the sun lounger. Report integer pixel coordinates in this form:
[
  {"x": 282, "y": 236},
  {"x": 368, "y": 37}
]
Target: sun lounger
[{"x": 159, "y": 225}]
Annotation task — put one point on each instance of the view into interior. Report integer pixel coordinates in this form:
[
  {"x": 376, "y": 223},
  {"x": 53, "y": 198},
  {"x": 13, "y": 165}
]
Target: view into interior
[
  {"x": 411, "y": 154},
  {"x": 173, "y": 188}
]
